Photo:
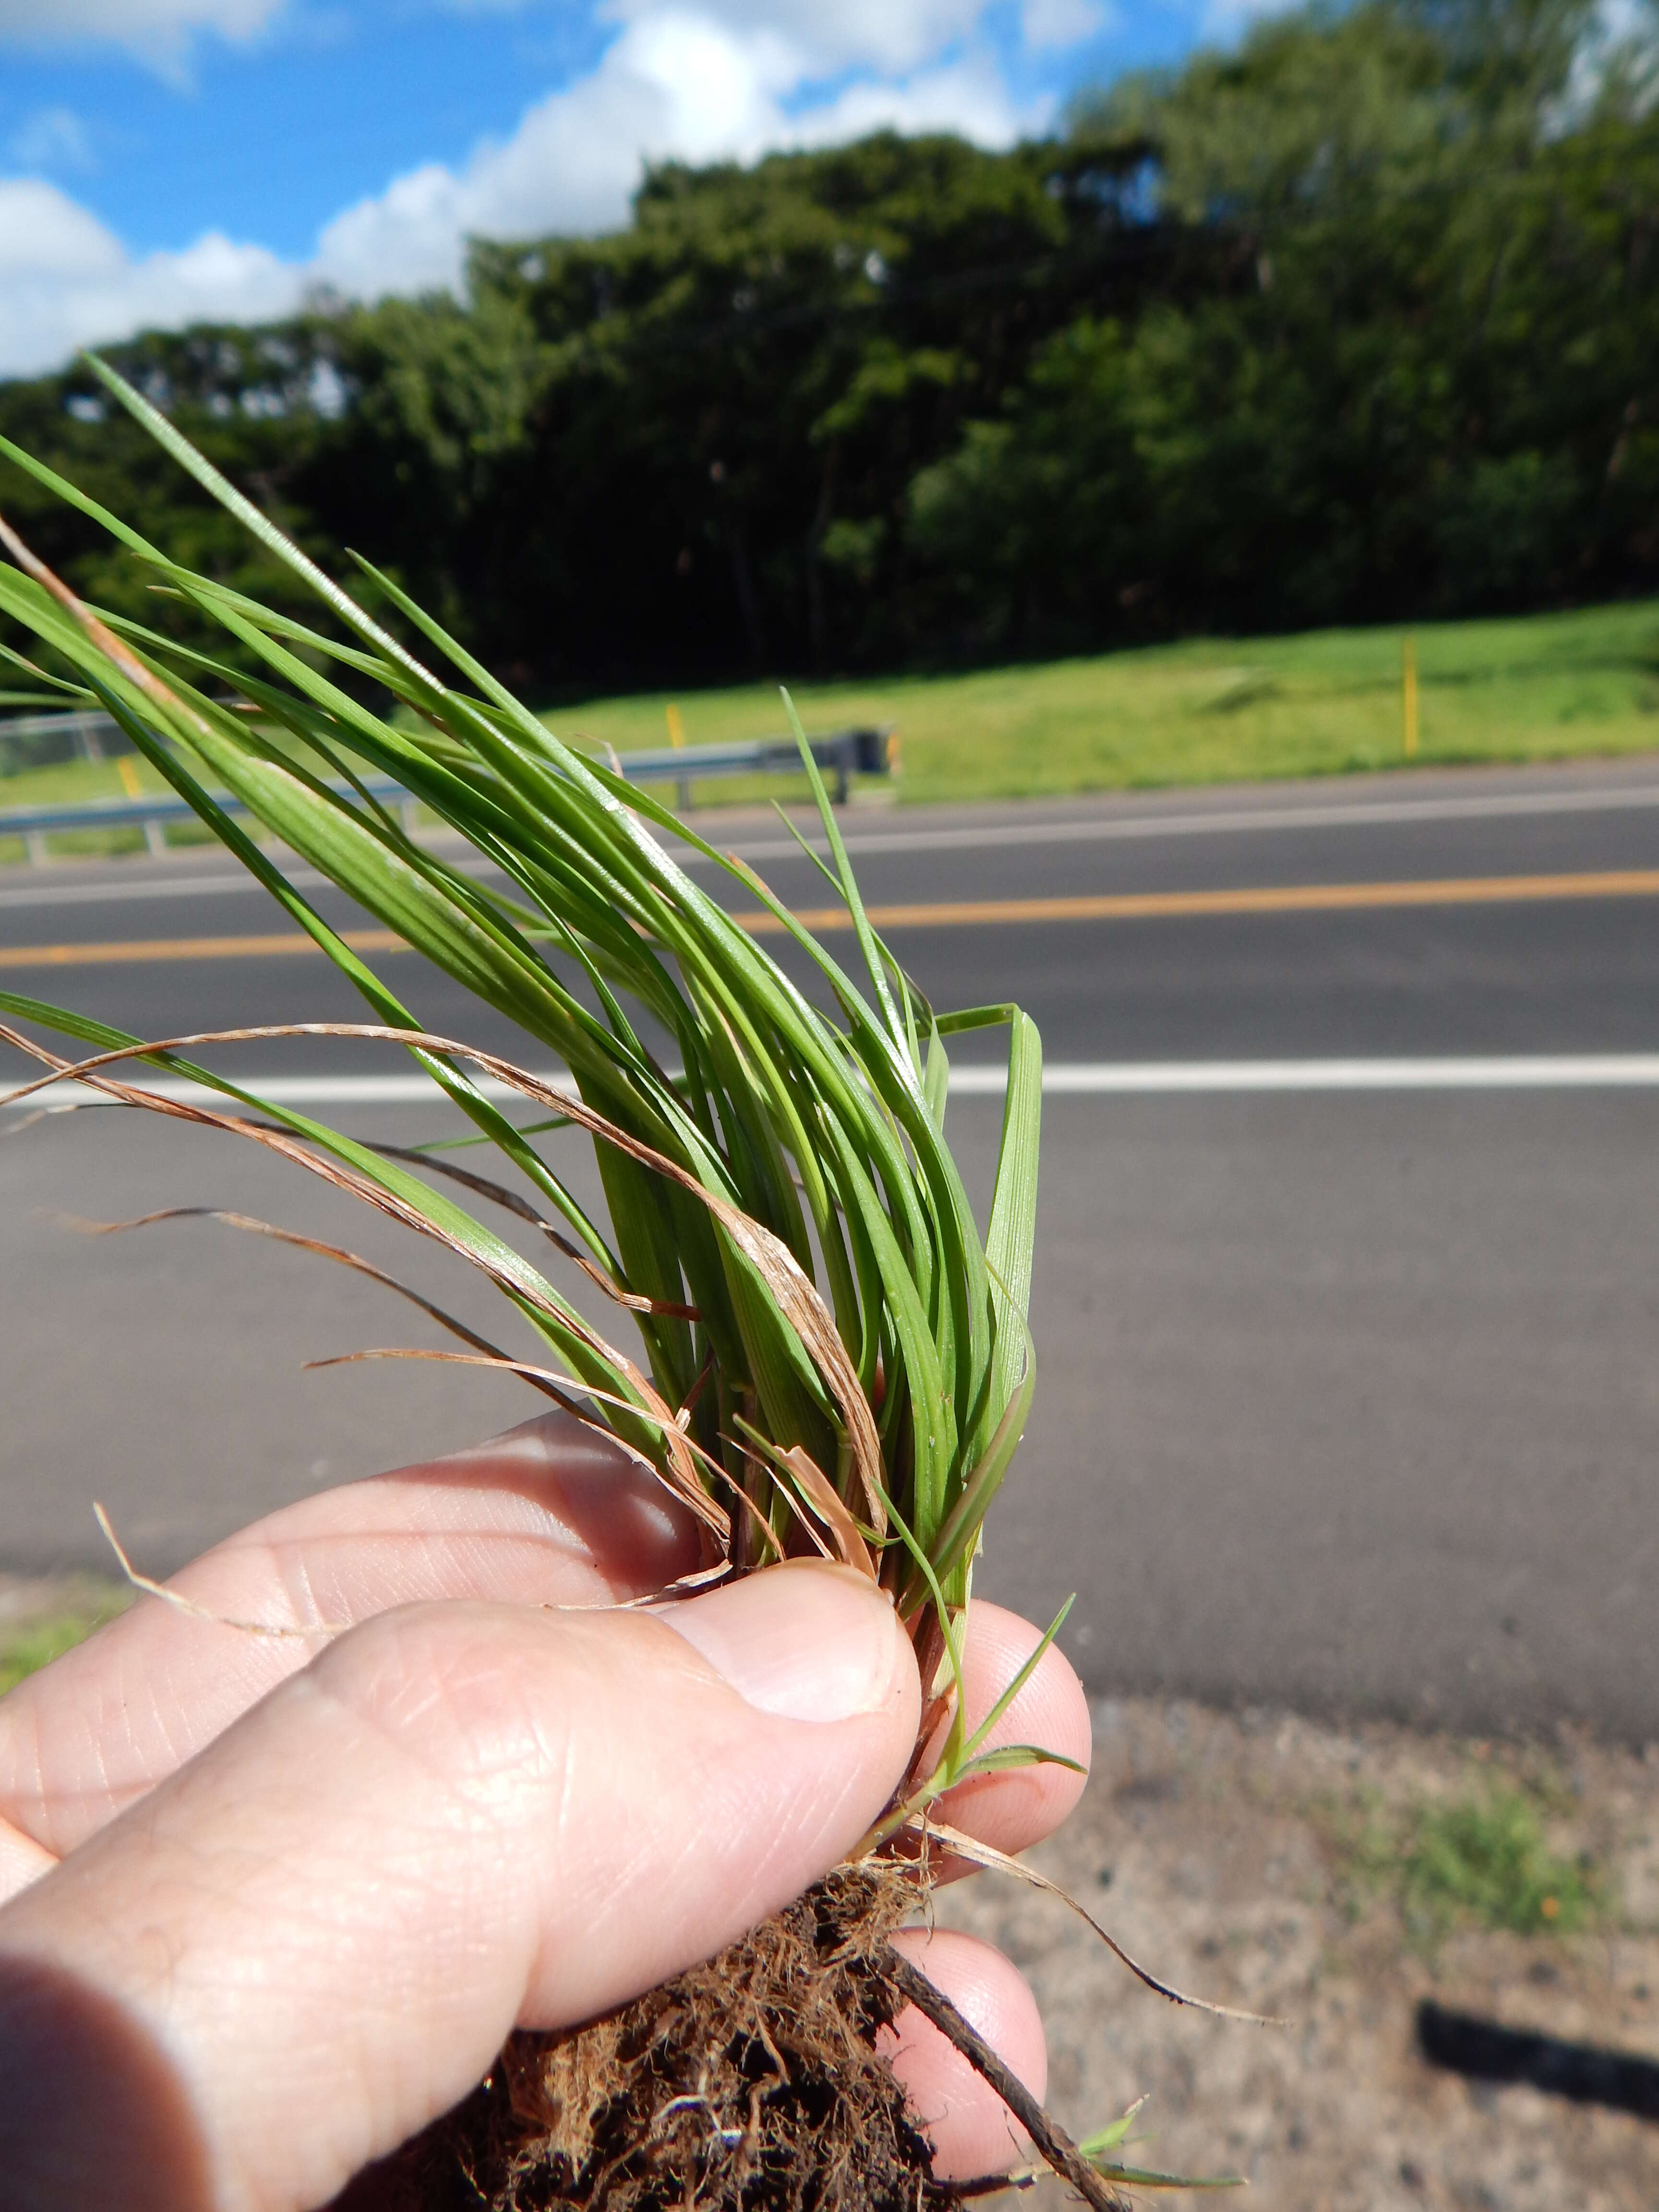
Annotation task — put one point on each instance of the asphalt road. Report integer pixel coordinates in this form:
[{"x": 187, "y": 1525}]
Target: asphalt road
[{"x": 1347, "y": 1399}]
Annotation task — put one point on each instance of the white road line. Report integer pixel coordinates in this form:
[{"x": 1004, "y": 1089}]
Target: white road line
[
  {"x": 281, "y": 1090},
  {"x": 1531, "y": 1071},
  {"x": 153, "y": 887},
  {"x": 1243, "y": 821},
  {"x": 143, "y": 886},
  {"x": 1605, "y": 1071},
  {"x": 1222, "y": 821}
]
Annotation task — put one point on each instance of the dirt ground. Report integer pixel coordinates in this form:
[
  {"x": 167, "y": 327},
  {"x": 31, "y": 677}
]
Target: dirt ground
[{"x": 1243, "y": 1858}]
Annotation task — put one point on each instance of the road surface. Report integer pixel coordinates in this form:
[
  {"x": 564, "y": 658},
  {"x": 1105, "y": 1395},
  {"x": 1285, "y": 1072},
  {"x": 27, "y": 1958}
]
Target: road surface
[{"x": 1348, "y": 1397}]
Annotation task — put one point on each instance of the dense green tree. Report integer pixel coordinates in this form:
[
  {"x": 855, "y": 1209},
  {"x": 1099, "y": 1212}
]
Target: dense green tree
[
  {"x": 733, "y": 396},
  {"x": 1357, "y": 321},
  {"x": 1424, "y": 383},
  {"x": 682, "y": 449}
]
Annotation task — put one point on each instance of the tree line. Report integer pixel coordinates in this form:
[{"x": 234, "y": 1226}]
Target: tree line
[{"x": 1358, "y": 322}]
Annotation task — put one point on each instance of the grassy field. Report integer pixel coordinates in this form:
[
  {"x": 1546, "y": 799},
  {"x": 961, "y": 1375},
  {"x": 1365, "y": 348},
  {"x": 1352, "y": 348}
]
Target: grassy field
[
  {"x": 1546, "y": 687},
  {"x": 1543, "y": 687}
]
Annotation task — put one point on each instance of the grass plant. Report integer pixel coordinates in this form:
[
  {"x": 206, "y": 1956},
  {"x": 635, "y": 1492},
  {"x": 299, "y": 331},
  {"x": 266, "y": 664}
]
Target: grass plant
[
  {"x": 830, "y": 1357},
  {"x": 750, "y": 1147},
  {"x": 1480, "y": 1859},
  {"x": 1485, "y": 1861}
]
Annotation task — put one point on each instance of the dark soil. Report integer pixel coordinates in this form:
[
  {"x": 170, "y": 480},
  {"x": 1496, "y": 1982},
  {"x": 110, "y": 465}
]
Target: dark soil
[{"x": 750, "y": 2084}]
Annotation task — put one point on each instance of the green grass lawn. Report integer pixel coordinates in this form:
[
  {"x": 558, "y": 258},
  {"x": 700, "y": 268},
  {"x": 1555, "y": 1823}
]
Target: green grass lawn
[
  {"x": 1544, "y": 687},
  {"x": 1547, "y": 687}
]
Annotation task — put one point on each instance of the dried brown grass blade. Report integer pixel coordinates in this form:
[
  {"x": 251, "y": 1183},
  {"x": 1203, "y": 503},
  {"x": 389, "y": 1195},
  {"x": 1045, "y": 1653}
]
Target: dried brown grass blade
[
  {"x": 789, "y": 1285},
  {"x": 101, "y": 634},
  {"x": 181, "y": 1603},
  {"x": 568, "y": 1389},
  {"x": 986, "y": 1855},
  {"x": 685, "y": 1483},
  {"x": 314, "y": 1244},
  {"x": 499, "y": 1195},
  {"x": 556, "y": 1387},
  {"x": 41, "y": 1114},
  {"x": 832, "y": 1507},
  {"x": 692, "y": 1585}
]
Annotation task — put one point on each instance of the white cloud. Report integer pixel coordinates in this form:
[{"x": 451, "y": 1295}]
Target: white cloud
[
  {"x": 66, "y": 280},
  {"x": 1052, "y": 25},
  {"x": 967, "y": 96},
  {"x": 671, "y": 84},
  {"x": 699, "y": 80},
  {"x": 159, "y": 32},
  {"x": 891, "y": 36}
]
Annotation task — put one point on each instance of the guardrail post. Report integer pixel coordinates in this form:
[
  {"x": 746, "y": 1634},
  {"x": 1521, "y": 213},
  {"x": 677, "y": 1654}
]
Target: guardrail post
[
  {"x": 155, "y": 840},
  {"x": 34, "y": 845}
]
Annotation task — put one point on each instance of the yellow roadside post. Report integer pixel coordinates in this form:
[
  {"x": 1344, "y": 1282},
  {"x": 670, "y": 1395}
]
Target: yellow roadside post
[
  {"x": 156, "y": 837},
  {"x": 1408, "y": 687},
  {"x": 677, "y": 738}
]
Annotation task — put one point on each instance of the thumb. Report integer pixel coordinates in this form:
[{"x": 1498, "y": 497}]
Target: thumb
[{"x": 312, "y": 1938}]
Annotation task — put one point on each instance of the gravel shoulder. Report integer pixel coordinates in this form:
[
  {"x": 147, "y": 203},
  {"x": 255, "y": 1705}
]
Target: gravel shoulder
[{"x": 1254, "y": 1860}]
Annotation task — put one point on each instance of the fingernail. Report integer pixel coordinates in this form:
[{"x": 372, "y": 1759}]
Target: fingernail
[{"x": 805, "y": 1640}]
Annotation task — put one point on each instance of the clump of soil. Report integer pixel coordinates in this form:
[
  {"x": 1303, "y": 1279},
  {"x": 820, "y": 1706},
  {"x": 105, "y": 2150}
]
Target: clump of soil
[{"x": 750, "y": 2084}]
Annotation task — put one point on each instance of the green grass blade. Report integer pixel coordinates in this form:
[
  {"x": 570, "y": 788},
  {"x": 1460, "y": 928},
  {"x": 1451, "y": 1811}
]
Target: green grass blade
[
  {"x": 873, "y": 956},
  {"x": 1020, "y": 1679},
  {"x": 1140, "y": 2177},
  {"x": 256, "y": 524},
  {"x": 936, "y": 1078},
  {"x": 1008, "y": 1758},
  {"x": 1008, "y": 1244}
]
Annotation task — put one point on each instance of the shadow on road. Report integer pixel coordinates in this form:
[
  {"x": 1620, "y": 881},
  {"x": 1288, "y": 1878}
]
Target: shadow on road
[{"x": 1586, "y": 2072}]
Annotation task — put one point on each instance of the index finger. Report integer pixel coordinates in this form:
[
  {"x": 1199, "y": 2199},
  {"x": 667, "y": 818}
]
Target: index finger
[{"x": 551, "y": 1513}]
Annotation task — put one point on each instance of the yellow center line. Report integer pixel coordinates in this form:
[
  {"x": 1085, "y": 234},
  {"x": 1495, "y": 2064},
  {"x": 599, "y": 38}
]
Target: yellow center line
[
  {"x": 953, "y": 913},
  {"x": 143, "y": 950},
  {"x": 1274, "y": 898}
]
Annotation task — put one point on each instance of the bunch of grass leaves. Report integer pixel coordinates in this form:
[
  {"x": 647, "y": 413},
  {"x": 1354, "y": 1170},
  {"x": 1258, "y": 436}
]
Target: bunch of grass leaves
[{"x": 829, "y": 1356}]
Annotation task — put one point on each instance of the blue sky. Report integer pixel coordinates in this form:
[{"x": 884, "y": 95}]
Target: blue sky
[{"x": 161, "y": 159}]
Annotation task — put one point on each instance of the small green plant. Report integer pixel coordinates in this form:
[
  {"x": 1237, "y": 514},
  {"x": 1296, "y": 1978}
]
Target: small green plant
[
  {"x": 1482, "y": 1860},
  {"x": 1101, "y": 2148},
  {"x": 832, "y": 1359},
  {"x": 1485, "y": 1861}
]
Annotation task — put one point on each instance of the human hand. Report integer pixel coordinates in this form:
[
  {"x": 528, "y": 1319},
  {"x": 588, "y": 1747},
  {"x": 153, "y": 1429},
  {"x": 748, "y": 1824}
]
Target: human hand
[{"x": 275, "y": 1903}]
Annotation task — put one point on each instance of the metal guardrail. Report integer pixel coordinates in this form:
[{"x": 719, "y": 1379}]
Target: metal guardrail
[
  {"x": 85, "y": 732},
  {"x": 842, "y": 754}
]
